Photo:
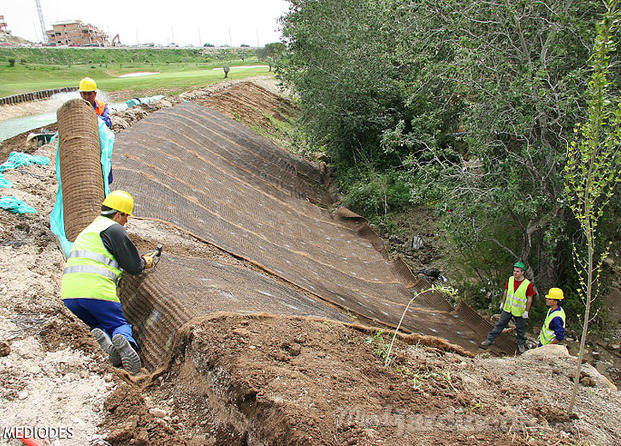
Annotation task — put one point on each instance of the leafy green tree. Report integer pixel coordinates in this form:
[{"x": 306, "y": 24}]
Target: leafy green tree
[
  {"x": 518, "y": 72},
  {"x": 271, "y": 53},
  {"x": 472, "y": 102},
  {"x": 592, "y": 171},
  {"x": 340, "y": 63}
]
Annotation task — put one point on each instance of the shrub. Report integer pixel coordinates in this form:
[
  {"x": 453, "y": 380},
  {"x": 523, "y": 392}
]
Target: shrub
[{"x": 374, "y": 193}]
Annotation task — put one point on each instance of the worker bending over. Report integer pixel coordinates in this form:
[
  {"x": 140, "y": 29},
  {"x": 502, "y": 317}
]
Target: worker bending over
[
  {"x": 99, "y": 255},
  {"x": 88, "y": 92},
  {"x": 553, "y": 329}
]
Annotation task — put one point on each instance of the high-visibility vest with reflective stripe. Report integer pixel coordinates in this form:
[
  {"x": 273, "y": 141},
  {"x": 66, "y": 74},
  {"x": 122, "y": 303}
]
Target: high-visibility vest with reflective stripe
[
  {"x": 91, "y": 271},
  {"x": 515, "y": 303},
  {"x": 546, "y": 336}
]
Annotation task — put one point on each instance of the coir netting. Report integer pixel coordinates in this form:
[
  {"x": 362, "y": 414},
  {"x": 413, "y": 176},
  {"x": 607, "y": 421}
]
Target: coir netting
[
  {"x": 202, "y": 172},
  {"x": 80, "y": 165}
]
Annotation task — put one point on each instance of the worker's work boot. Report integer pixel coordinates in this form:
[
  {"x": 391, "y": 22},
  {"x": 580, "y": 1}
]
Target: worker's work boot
[
  {"x": 485, "y": 344},
  {"x": 129, "y": 357},
  {"x": 106, "y": 345},
  {"x": 521, "y": 348}
]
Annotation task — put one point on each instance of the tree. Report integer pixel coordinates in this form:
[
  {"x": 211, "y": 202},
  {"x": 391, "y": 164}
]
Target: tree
[
  {"x": 271, "y": 53},
  {"x": 226, "y": 69},
  {"x": 518, "y": 71},
  {"x": 592, "y": 171},
  {"x": 472, "y": 102},
  {"x": 340, "y": 63}
]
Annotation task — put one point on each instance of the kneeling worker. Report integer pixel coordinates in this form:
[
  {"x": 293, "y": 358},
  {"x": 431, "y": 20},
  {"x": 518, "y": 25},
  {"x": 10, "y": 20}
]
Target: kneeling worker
[
  {"x": 553, "y": 328},
  {"x": 99, "y": 255}
]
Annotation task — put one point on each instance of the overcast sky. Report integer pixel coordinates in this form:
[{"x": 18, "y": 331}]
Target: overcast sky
[{"x": 184, "y": 22}]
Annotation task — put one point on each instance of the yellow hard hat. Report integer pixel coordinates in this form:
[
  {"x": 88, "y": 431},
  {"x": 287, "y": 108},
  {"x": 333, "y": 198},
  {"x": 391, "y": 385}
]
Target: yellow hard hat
[
  {"x": 87, "y": 84},
  {"x": 120, "y": 201},
  {"x": 555, "y": 293}
]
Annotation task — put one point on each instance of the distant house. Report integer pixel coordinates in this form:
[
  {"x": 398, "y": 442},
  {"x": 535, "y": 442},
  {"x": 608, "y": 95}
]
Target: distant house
[
  {"x": 3, "y": 26},
  {"x": 76, "y": 33}
]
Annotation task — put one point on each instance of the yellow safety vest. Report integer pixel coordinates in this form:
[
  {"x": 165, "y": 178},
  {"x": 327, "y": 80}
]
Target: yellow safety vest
[
  {"x": 91, "y": 271},
  {"x": 516, "y": 300},
  {"x": 546, "y": 336}
]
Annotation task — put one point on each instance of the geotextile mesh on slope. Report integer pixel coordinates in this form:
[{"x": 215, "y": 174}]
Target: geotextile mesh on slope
[
  {"x": 178, "y": 289},
  {"x": 211, "y": 176}
]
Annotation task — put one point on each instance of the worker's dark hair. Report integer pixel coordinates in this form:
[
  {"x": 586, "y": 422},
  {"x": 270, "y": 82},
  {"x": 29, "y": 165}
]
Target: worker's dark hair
[{"x": 108, "y": 212}]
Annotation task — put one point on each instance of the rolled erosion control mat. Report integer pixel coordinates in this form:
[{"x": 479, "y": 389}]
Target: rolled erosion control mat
[{"x": 80, "y": 165}]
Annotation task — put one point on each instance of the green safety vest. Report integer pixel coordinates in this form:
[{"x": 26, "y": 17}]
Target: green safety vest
[
  {"x": 546, "y": 336},
  {"x": 91, "y": 271},
  {"x": 515, "y": 303}
]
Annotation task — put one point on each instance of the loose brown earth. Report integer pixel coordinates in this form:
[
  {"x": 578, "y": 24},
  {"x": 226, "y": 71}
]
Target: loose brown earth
[{"x": 259, "y": 379}]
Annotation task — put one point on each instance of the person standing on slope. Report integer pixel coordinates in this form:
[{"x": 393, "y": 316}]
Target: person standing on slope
[
  {"x": 515, "y": 304},
  {"x": 553, "y": 328}
]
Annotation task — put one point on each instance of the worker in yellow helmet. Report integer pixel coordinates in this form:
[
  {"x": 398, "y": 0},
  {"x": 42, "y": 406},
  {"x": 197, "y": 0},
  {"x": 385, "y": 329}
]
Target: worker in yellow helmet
[
  {"x": 100, "y": 253},
  {"x": 553, "y": 328},
  {"x": 88, "y": 92}
]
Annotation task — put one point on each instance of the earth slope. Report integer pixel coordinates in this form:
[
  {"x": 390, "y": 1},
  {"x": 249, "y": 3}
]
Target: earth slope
[{"x": 262, "y": 379}]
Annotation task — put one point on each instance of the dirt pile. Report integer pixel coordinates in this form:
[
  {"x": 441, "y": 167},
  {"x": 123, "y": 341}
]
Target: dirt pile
[{"x": 257, "y": 379}]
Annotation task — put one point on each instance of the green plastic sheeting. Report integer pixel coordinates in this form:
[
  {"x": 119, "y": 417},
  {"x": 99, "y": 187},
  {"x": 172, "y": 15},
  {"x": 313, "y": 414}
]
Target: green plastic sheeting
[
  {"x": 17, "y": 159},
  {"x": 135, "y": 101},
  {"x": 15, "y": 205}
]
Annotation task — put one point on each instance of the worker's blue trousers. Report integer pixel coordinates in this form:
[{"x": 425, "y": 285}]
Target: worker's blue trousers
[{"x": 103, "y": 314}]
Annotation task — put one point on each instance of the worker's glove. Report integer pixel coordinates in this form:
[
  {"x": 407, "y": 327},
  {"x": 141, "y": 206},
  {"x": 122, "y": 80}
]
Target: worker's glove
[
  {"x": 502, "y": 304},
  {"x": 149, "y": 259},
  {"x": 525, "y": 315}
]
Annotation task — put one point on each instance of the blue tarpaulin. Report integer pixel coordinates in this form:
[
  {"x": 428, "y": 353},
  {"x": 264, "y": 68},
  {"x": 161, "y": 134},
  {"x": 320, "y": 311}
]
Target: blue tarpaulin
[{"x": 57, "y": 219}]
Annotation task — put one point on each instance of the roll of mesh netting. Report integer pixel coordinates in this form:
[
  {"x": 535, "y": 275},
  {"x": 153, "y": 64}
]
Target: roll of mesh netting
[{"x": 80, "y": 165}]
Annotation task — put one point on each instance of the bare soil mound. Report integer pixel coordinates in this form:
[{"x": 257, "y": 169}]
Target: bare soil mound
[{"x": 261, "y": 379}]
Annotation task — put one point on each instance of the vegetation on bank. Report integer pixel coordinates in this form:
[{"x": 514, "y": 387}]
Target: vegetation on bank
[
  {"x": 31, "y": 69},
  {"x": 466, "y": 106}
]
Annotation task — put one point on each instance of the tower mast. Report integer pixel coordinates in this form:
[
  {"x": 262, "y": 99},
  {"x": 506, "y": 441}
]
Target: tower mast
[{"x": 42, "y": 22}]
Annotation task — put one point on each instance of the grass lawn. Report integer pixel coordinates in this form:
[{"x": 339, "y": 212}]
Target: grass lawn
[{"x": 172, "y": 76}]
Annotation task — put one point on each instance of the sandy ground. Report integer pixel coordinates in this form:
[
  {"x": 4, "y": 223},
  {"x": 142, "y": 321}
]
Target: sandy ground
[
  {"x": 240, "y": 379},
  {"x": 43, "y": 384}
]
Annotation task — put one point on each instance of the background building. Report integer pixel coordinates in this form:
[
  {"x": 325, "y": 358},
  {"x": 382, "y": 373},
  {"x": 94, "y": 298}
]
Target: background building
[
  {"x": 3, "y": 26},
  {"x": 75, "y": 32}
]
